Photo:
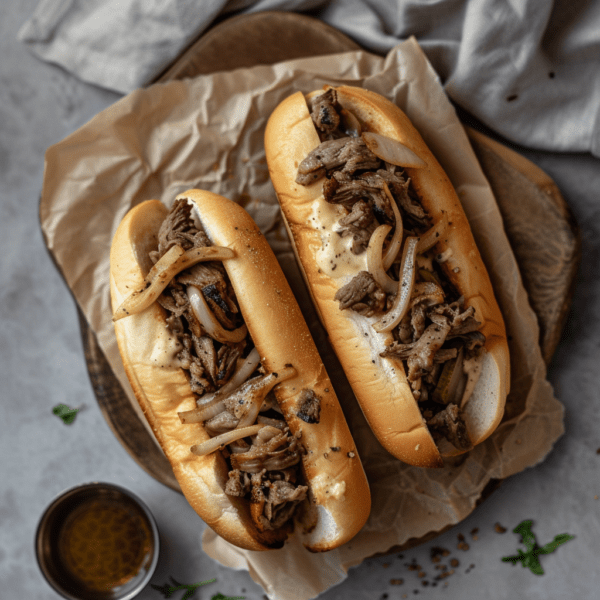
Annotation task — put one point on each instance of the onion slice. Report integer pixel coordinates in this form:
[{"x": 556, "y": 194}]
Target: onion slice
[
  {"x": 432, "y": 236},
  {"x": 392, "y": 151},
  {"x": 209, "y": 322},
  {"x": 375, "y": 260},
  {"x": 242, "y": 373},
  {"x": 407, "y": 280},
  {"x": 396, "y": 243},
  {"x": 220, "y": 441},
  {"x": 350, "y": 124},
  {"x": 203, "y": 413},
  {"x": 252, "y": 395},
  {"x": 210, "y": 405},
  {"x": 161, "y": 274}
]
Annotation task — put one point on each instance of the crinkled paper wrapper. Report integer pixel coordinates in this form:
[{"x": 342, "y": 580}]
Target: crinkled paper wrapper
[{"x": 208, "y": 133}]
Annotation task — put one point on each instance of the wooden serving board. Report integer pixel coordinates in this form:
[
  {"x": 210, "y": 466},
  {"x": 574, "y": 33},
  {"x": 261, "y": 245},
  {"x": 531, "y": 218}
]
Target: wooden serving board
[{"x": 539, "y": 225}]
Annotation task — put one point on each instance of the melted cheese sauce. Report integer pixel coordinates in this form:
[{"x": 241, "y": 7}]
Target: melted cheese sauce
[{"x": 335, "y": 257}]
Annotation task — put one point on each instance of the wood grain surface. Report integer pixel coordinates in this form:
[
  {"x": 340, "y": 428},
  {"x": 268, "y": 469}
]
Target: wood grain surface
[{"x": 539, "y": 224}]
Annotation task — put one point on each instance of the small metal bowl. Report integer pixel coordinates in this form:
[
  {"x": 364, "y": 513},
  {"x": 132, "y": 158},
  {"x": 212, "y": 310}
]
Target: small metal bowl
[{"x": 97, "y": 541}]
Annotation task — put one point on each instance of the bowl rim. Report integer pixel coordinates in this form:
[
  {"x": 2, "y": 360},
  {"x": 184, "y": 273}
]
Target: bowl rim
[{"x": 73, "y": 492}]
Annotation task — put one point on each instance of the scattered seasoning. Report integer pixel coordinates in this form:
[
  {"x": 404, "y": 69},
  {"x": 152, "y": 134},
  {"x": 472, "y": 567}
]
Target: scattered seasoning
[
  {"x": 598, "y": 451},
  {"x": 396, "y": 581},
  {"x": 551, "y": 74},
  {"x": 499, "y": 529},
  {"x": 512, "y": 97},
  {"x": 454, "y": 562},
  {"x": 351, "y": 455}
]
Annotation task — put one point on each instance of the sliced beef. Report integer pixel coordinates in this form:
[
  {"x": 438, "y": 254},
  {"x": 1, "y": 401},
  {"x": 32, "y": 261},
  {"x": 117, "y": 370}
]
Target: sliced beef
[
  {"x": 360, "y": 223},
  {"x": 448, "y": 423},
  {"x": 362, "y": 294},
  {"x": 408, "y": 203},
  {"x": 420, "y": 355},
  {"x": 204, "y": 347},
  {"x": 310, "y": 406},
  {"x": 178, "y": 229},
  {"x": 239, "y": 483},
  {"x": 281, "y": 501},
  {"x": 227, "y": 356},
  {"x": 324, "y": 112},
  {"x": 348, "y": 154}
]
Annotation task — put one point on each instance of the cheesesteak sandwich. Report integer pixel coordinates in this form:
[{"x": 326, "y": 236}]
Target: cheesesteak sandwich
[
  {"x": 227, "y": 374},
  {"x": 391, "y": 264}
]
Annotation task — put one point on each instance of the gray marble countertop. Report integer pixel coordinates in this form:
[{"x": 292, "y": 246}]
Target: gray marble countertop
[{"x": 43, "y": 365}]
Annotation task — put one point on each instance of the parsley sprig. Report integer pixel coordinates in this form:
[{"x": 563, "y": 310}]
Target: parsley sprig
[
  {"x": 66, "y": 413},
  {"x": 168, "y": 590},
  {"x": 530, "y": 558}
]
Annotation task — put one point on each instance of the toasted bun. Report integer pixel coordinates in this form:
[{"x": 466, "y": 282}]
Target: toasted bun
[
  {"x": 337, "y": 483},
  {"x": 380, "y": 384}
]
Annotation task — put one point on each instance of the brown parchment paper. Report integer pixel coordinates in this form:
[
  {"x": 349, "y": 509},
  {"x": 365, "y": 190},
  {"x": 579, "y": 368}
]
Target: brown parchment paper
[{"x": 208, "y": 133}]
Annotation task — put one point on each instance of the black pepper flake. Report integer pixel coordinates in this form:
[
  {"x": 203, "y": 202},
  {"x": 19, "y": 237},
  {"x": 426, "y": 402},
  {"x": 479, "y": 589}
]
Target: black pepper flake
[
  {"x": 335, "y": 448},
  {"x": 512, "y": 98},
  {"x": 552, "y": 74},
  {"x": 598, "y": 451}
]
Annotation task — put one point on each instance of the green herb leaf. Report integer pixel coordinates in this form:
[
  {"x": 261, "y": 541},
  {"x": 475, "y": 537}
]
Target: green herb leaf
[
  {"x": 561, "y": 538},
  {"x": 527, "y": 536},
  {"x": 66, "y": 413},
  {"x": 168, "y": 590},
  {"x": 530, "y": 558}
]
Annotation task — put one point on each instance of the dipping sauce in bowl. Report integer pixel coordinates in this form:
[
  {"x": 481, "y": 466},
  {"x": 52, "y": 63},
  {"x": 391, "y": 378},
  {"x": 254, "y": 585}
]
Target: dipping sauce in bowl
[{"x": 98, "y": 542}]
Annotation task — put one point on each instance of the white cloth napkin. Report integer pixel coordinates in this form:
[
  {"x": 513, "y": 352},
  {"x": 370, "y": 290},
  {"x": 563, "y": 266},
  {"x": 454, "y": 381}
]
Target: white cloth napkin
[{"x": 529, "y": 69}]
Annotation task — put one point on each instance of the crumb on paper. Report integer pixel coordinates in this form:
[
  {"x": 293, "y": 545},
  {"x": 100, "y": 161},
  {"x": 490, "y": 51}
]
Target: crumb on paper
[{"x": 499, "y": 529}]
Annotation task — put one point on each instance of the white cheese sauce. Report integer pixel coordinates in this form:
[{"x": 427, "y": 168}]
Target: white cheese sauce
[{"x": 335, "y": 257}]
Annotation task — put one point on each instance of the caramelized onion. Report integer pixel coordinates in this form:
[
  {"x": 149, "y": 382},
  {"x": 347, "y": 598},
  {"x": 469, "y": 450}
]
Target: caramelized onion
[
  {"x": 204, "y": 412},
  {"x": 161, "y": 274},
  {"x": 220, "y": 441},
  {"x": 209, "y": 322},
  {"x": 242, "y": 373},
  {"x": 427, "y": 291},
  {"x": 349, "y": 124},
  {"x": 431, "y": 237},
  {"x": 392, "y": 151},
  {"x": 252, "y": 395},
  {"x": 375, "y": 260},
  {"x": 407, "y": 280},
  {"x": 396, "y": 243}
]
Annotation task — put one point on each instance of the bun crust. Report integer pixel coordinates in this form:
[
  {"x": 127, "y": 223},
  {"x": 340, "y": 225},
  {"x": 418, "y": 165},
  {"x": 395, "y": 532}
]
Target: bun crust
[
  {"x": 337, "y": 485},
  {"x": 380, "y": 385}
]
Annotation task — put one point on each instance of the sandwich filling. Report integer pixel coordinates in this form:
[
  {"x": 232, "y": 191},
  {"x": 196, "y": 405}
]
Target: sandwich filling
[{"x": 403, "y": 287}]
